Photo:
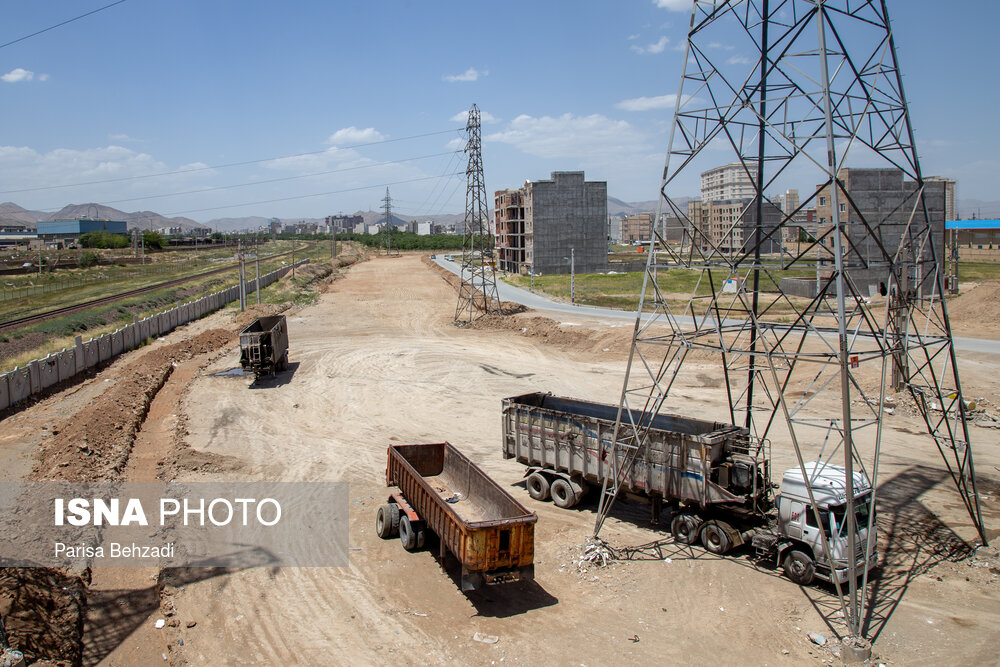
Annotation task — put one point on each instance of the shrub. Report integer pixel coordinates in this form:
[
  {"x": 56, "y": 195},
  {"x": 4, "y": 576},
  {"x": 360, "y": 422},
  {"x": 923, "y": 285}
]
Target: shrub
[{"x": 87, "y": 259}]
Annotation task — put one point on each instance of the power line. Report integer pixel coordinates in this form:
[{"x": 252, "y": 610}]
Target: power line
[
  {"x": 224, "y": 166},
  {"x": 274, "y": 180},
  {"x": 59, "y": 25},
  {"x": 317, "y": 194}
]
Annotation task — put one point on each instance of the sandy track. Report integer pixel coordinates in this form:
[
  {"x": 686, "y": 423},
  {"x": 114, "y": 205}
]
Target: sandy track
[{"x": 377, "y": 360}]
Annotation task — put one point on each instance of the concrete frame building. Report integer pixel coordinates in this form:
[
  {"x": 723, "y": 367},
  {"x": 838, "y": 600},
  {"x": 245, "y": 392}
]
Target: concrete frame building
[
  {"x": 726, "y": 215},
  {"x": 637, "y": 227},
  {"x": 885, "y": 201},
  {"x": 950, "y": 191},
  {"x": 508, "y": 213},
  {"x": 563, "y": 214}
]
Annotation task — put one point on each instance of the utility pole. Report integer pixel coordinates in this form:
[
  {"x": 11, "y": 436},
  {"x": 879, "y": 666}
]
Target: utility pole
[
  {"x": 243, "y": 285},
  {"x": 572, "y": 275},
  {"x": 40, "y": 258},
  {"x": 293, "y": 258},
  {"x": 256, "y": 262}
]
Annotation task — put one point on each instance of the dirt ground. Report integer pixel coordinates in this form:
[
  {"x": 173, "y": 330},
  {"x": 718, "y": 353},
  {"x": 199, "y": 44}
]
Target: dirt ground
[{"x": 377, "y": 360}]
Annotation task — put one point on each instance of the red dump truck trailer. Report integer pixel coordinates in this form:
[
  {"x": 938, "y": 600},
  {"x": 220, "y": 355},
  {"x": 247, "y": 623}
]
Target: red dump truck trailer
[{"x": 439, "y": 489}]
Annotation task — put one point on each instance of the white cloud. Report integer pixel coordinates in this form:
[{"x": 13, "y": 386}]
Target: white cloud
[
  {"x": 484, "y": 117},
  {"x": 121, "y": 138},
  {"x": 455, "y": 144},
  {"x": 648, "y": 103},
  {"x": 22, "y": 167},
  {"x": 739, "y": 60},
  {"x": 352, "y": 135},
  {"x": 43, "y": 77},
  {"x": 674, "y": 5},
  {"x": 470, "y": 74},
  {"x": 571, "y": 136},
  {"x": 720, "y": 45},
  {"x": 656, "y": 47},
  {"x": 18, "y": 74},
  {"x": 633, "y": 37}
]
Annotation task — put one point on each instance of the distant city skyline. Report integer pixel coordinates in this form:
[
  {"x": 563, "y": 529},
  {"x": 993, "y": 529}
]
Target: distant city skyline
[{"x": 312, "y": 109}]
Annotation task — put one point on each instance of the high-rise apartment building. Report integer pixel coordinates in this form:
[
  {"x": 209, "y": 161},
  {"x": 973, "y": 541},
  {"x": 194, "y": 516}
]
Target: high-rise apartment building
[{"x": 726, "y": 183}]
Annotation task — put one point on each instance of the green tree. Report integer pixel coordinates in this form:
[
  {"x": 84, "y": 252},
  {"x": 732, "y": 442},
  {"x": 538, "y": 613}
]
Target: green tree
[
  {"x": 153, "y": 240},
  {"x": 102, "y": 239}
]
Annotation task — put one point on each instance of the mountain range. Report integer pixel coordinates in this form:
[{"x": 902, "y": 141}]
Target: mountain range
[{"x": 12, "y": 214}]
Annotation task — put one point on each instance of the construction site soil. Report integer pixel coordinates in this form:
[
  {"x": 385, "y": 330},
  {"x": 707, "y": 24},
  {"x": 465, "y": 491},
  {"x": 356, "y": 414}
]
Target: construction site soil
[{"x": 376, "y": 359}]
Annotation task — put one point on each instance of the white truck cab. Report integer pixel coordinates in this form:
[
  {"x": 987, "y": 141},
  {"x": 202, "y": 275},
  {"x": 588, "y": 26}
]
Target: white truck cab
[{"x": 803, "y": 547}]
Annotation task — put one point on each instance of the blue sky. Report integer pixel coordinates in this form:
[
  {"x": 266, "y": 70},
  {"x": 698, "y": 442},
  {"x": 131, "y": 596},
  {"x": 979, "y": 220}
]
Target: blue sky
[{"x": 355, "y": 97}]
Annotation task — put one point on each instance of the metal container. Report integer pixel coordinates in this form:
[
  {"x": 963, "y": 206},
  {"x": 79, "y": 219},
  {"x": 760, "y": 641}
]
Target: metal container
[
  {"x": 264, "y": 345},
  {"x": 684, "y": 459},
  {"x": 477, "y": 521}
]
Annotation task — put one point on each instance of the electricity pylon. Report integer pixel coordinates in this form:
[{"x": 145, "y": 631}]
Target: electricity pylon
[
  {"x": 813, "y": 86},
  {"x": 387, "y": 225},
  {"x": 477, "y": 294}
]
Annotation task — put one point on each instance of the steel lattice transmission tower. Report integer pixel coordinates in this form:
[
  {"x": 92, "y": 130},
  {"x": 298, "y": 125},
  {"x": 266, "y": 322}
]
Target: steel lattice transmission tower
[
  {"x": 477, "y": 294},
  {"x": 818, "y": 90},
  {"x": 387, "y": 225}
]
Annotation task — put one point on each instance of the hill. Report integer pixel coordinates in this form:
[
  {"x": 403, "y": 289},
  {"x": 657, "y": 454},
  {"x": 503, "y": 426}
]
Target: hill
[{"x": 137, "y": 219}]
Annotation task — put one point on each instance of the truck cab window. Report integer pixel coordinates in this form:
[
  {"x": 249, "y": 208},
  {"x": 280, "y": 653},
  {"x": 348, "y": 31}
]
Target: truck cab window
[{"x": 824, "y": 517}]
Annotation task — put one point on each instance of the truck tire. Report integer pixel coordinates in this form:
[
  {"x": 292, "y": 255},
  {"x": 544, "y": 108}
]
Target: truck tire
[
  {"x": 283, "y": 362},
  {"x": 799, "y": 567},
  {"x": 563, "y": 494},
  {"x": 684, "y": 528},
  {"x": 407, "y": 533},
  {"x": 715, "y": 537},
  {"x": 387, "y": 521},
  {"x": 538, "y": 486}
]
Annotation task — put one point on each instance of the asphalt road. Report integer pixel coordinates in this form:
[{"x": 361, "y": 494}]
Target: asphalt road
[{"x": 538, "y": 301}]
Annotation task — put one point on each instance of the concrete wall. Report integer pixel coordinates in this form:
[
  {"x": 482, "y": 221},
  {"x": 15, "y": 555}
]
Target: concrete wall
[
  {"x": 567, "y": 212},
  {"x": 20, "y": 383}
]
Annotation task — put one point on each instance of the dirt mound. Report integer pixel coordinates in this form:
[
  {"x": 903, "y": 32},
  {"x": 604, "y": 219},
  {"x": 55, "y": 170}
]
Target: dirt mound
[
  {"x": 612, "y": 342},
  {"x": 45, "y": 607},
  {"x": 255, "y": 311},
  {"x": 42, "y": 608},
  {"x": 96, "y": 443},
  {"x": 977, "y": 310}
]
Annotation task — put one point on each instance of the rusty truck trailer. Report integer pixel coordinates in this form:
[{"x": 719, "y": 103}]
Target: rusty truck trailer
[
  {"x": 264, "y": 345},
  {"x": 475, "y": 519}
]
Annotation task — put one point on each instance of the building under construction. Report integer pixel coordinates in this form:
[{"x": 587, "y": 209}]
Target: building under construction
[{"x": 539, "y": 226}]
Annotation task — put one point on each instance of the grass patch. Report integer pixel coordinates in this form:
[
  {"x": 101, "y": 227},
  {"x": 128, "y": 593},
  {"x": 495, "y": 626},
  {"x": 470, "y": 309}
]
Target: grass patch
[
  {"x": 978, "y": 270},
  {"x": 622, "y": 290}
]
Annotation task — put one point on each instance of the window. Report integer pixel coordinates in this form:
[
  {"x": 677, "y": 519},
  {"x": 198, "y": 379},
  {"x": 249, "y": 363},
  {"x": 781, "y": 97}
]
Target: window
[
  {"x": 822, "y": 201},
  {"x": 824, "y": 516},
  {"x": 843, "y": 208}
]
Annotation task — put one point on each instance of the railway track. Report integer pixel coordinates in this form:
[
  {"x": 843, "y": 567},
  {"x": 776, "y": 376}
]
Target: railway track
[{"x": 35, "y": 318}]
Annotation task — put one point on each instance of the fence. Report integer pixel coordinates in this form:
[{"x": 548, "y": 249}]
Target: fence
[{"x": 40, "y": 374}]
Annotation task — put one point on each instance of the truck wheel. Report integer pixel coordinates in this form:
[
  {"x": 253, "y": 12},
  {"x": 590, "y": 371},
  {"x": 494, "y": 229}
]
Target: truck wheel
[
  {"x": 283, "y": 362},
  {"x": 407, "y": 534},
  {"x": 684, "y": 528},
  {"x": 715, "y": 537},
  {"x": 387, "y": 521},
  {"x": 563, "y": 494},
  {"x": 800, "y": 568},
  {"x": 538, "y": 486}
]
